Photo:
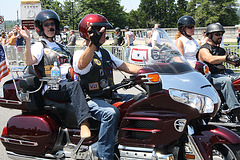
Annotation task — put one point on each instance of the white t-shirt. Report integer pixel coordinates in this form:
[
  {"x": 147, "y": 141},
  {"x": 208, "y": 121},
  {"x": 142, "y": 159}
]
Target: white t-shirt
[
  {"x": 77, "y": 55},
  {"x": 156, "y": 37},
  {"x": 190, "y": 49}
]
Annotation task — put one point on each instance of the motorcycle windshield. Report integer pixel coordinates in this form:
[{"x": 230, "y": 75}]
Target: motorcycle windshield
[{"x": 163, "y": 56}]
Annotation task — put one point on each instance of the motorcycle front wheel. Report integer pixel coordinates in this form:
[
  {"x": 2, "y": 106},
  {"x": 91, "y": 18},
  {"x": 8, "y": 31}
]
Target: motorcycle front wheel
[{"x": 226, "y": 152}]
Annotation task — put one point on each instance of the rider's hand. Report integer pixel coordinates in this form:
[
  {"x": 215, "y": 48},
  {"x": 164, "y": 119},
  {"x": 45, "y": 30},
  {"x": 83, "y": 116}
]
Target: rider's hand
[
  {"x": 96, "y": 37},
  {"x": 23, "y": 32},
  {"x": 234, "y": 59}
]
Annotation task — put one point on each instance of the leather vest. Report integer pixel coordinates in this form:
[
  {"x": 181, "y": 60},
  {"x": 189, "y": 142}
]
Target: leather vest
[
  {"x": 218, "y": 51},
  {"x": 49, "y": 57},
  {"x": 100, "y": 75}
]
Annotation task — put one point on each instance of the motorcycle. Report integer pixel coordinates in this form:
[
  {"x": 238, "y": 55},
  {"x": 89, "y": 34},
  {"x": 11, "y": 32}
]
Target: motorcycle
[
  {"x": 165, "y": 120},
  {"x": 223, "y": 116}
]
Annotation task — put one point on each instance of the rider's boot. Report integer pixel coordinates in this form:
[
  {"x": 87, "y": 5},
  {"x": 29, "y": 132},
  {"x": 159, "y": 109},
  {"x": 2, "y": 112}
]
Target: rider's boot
[{"x": 236, "y": 113}]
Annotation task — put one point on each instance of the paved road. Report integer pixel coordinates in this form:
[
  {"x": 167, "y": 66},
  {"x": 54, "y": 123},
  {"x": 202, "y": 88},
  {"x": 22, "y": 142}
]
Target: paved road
[{"x": 5, "y": 113}]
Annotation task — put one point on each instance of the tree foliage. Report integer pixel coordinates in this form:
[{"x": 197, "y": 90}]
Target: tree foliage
[
  {"x": 165, "y": 12},
  {"x": 206, "y": 12}
]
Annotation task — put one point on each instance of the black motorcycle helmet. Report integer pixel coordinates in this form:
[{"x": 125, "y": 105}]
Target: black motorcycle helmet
[
  {"x": 183, "y": 22},
  {"x": 42, "y": 17},
  {"x": 117, "y": 29},
  {"x": 215, "y": 27}
]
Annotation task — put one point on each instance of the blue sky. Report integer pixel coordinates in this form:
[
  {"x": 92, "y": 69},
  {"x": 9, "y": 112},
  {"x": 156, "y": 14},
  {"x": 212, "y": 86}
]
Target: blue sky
[{"x": 8, "y": 8}]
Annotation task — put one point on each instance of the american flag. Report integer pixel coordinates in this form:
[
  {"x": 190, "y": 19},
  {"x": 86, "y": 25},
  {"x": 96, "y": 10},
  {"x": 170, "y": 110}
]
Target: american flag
[{"x": 4, "y": 71}]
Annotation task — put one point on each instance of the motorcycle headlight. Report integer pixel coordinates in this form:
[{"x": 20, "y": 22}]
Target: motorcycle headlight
[{"x": 202, "y": 103}]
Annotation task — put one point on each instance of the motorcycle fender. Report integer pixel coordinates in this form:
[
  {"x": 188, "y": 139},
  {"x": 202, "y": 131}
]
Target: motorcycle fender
[{"x": 207, "y": 136}]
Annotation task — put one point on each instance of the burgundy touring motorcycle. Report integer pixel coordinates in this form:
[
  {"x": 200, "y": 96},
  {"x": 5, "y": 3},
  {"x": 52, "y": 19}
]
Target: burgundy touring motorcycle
[{"x": 164, "y": 120}]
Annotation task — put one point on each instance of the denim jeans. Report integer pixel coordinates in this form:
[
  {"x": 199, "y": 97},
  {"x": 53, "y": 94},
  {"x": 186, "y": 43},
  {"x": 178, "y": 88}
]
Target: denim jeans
[
  {"x": 109, "y": 116},
  {"x": 223, "y": 82}
]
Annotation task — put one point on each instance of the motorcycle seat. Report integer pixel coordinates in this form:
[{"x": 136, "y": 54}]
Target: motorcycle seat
[{"x": 63, "y": 112}]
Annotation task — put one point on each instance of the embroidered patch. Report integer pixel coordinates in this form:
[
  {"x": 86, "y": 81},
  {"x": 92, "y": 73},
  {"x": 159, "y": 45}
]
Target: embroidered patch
[
  {"x": 103, "y": 83},
  {"x": 47, "y": 50},
  {"x": 97, "y": 62},
  {"x": 93, "y": 86}
]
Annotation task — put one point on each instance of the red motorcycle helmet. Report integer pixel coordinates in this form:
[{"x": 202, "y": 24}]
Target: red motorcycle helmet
[
  {"x": 42, "y": 17},
  {"x": 96, "y": 20}
]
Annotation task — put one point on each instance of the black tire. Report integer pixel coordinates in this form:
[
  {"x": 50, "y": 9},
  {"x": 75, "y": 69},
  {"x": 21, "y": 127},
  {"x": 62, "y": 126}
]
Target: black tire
[{"x": 226, "y": 152}]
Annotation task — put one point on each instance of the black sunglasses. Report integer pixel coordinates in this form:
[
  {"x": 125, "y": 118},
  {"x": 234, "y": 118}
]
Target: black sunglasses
[
  {"x": 218, "y": 34},
  {"x": 49, "y": 24},
  {"x": 190, "y": 27}
]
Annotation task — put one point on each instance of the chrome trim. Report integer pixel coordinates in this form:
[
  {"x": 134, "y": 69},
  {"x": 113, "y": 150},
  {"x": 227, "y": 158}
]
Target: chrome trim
[
  {"x": 15, "y": 156},
  {"x": 21, "y": 142},
  {"x": 2, "y": 100},
  {"x": 194, "y": 148},
  {"x": 133, "y": 153}
]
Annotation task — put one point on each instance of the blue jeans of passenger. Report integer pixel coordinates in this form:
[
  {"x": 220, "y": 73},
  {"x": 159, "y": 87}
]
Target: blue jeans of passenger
[
  {"x": 223, "y": 82},
  {"x": 109, "y": 117}
]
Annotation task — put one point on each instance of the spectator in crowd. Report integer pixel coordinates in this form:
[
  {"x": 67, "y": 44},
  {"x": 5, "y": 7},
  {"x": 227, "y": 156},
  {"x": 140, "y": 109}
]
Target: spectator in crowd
[
  {"x": 156, "y": 41},
  {"x": 72, "y": 42},
  {"x": 118, "y": 41},
  {"x": 204, "y": 38},
  {"x": 12, "y": 46},
  {"x": 130, "y": 37},
  {"x": 19, "y": 46},
  {"x": 3, "y": 40},
  {"x": 238, "y": 38},
  {"x": 185, "y": 43},
  {"x": 148, "y": 39},
  {"x": 32, "y": 37}
]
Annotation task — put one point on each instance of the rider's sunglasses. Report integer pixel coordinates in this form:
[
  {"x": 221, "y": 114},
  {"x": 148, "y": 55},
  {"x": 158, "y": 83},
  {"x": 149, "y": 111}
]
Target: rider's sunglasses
[
  {"x": 218, "y": 34},
  {"x": 49, "y": 24},
  {"x": 190, "y": 27}
]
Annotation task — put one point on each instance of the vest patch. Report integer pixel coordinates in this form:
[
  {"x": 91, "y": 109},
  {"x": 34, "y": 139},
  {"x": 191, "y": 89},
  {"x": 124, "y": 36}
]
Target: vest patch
[
  {"x": 103, "y": 83},
  {"x": 98, "y": 62},
  {"x": 93, "y": 86}
]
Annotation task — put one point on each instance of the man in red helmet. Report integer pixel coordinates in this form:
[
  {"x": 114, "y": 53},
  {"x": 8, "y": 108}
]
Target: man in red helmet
[
  {"x": 94, "y": 65},
  {"x": 43, "y": 55}
]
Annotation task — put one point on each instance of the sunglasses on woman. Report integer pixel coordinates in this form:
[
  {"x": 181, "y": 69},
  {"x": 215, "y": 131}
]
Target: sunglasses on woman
[
  {"x": 49, "y": 24},
  {"x": 190, "y": 27}
]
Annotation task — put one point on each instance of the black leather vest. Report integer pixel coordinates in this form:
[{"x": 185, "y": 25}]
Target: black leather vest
[
  {"x": 214, "y": 50},
  {"x": 49, "y": 57},
  {"x": 100, "y": 75}
]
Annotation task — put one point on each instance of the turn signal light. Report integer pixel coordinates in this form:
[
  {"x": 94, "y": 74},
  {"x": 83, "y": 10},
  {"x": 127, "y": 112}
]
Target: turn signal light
[
  {"x": 153, "y": 77},
  {"x": 206, "y": 69},
  {"x": 150, "y": 78}
]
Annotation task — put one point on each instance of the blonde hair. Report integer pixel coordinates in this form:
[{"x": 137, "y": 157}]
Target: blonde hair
[{"x": 178, "y": 34}]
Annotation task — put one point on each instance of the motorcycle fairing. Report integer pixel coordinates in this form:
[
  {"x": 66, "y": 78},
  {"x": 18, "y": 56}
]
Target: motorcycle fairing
[{"x": 148, "y": 122}]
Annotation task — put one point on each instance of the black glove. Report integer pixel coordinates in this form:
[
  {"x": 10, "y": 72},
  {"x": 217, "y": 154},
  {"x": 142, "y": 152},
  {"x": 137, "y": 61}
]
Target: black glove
[
  {"x": 95, "y": 37},
  {"x": 234, "y": 59}
]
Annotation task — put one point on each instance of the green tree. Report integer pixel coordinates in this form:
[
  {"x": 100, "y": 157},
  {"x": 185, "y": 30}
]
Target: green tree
[
  {"x": 206, "y": 12},
  {"x": 111, "y": 9},
  {"x": 157, "y": 11},
  {"x": 55, "y": 6}
]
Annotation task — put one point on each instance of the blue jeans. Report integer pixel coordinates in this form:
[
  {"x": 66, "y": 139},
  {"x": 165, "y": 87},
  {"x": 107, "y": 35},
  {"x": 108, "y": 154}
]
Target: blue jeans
[
  {"x": 238, "y": 39},
  {"x": 109, "y": 117},
  {"x": 223, "y": 82}
]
